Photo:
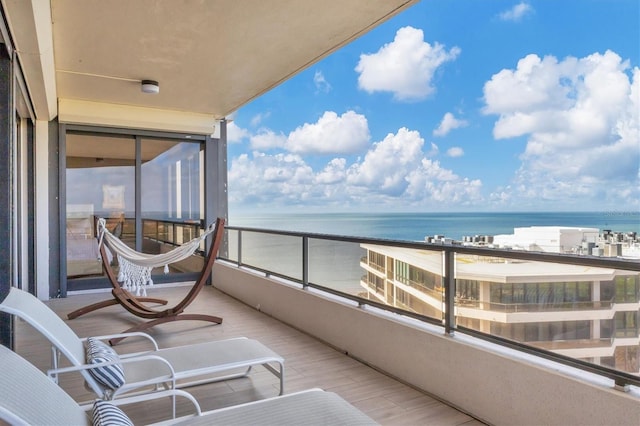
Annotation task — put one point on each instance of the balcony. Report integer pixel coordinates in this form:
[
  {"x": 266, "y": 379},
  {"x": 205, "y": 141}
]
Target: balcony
[
  {"x": 303, "y": 279},
  {"x": 308, "y": 361},
  {"x": 294, "y": 292}
]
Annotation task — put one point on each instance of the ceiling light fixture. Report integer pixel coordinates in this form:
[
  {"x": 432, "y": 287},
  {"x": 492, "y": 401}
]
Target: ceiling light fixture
[{"x": 150, "y": 86}]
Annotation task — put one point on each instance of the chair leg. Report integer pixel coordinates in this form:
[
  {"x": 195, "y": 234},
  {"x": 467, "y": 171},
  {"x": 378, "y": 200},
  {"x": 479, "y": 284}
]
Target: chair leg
[
  {"x": 111, "y": 302},
  {"x": 180, "y": 317}
]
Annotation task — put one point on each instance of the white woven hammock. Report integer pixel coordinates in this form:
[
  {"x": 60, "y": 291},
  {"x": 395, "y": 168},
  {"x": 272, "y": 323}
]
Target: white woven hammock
[{"x": 135, "y": 267}]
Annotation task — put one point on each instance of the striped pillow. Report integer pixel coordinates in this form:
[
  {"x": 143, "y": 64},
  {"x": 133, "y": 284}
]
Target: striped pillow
[
  {"x": 97, "y": 352},
  {"x": 107, "y": 414}
]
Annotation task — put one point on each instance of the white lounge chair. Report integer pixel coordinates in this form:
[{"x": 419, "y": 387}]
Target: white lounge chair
[
  {"x": 175, "y": 367},
  {"x": 29, "y": 398}
]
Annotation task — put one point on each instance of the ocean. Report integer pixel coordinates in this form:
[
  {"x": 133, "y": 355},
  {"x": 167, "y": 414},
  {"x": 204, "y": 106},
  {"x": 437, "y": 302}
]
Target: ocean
[
  {"x": 337, "y": 264},
  {"x": 416, "y": 226}
]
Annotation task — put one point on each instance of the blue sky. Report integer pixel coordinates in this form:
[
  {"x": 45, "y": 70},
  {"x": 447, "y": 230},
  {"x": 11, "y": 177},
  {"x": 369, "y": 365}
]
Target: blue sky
[{"x": 455, "y": 105}]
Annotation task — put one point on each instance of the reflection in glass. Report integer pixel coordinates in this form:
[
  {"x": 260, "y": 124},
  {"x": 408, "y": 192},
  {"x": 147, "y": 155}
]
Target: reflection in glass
[
  {"x": 100, "y": 180},
  {"x": 172, "y": 197},
  {"x": 404, "y": 278}
]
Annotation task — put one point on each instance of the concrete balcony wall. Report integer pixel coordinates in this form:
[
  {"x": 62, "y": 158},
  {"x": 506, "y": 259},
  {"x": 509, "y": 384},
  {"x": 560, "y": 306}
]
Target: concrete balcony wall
[{"x": 479, "y": 378}]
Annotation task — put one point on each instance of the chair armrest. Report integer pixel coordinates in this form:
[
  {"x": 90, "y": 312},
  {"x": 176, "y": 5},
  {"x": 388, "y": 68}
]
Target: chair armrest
[
  {"x": 170, "y": 375},
  {"x": 150, "y": 396},
  {"x": 131, "y": 334}
]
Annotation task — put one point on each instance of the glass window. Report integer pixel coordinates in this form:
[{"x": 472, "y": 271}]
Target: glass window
[
  {"x": 172, "y": 180},
  {"x": 606, "y": 291},
  {"x": 531, "y": 293},
  {"x": 100, "y": 182},
  {"x": 626, "y": 358},
  {"x": 606, "y": 329},
  {"x": 518, "y": 293},
  {"x": 557, "y": 331},
  {"x": 558, "y": 293},
  {"x": 172, "y": 197},
  {"x": 467, "y": 289},
  {"x": 531, "y": 332},
  {"x": 626, "y": 324},
  {"x": 496, "y": 293},
  {"x": 544, "y": 293},
  {"x": 626, "y": 289},
  {"x": 583, "y": 329},
  {"x": 584, "y": 291},
  {"x": 571, "y": 292},
  {"x": 507, "y": 294}
]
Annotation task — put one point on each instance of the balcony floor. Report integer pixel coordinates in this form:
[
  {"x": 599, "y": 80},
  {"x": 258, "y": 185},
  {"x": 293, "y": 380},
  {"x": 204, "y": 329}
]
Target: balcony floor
[{"x": 309, "y": 363}]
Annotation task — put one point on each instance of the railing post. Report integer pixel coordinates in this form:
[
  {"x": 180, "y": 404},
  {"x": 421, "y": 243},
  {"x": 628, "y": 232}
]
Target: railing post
[
  {"x": 305, "y": 262},
  {"x": 239, "y": 247},
  {"x": 449, "y": 291}
]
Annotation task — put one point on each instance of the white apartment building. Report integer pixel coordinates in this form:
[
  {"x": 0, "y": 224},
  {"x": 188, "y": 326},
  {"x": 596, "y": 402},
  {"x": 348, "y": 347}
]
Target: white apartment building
[
  {"x": 587, "y": 313},
  {"x": 548, "y": 239}
]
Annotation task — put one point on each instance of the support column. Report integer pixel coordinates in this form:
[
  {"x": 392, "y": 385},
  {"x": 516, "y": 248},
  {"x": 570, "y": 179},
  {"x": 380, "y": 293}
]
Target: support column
[
  {"x": 44, "y": 208},
  {"x": 6, "y": 113},
  {"x": 215, "y": 181}
]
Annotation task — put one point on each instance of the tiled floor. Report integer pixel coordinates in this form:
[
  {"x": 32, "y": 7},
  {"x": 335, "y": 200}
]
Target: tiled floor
[{"x": 308, "y": 362}]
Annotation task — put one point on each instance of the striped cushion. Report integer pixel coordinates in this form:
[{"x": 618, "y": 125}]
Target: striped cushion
[
  {"x": 107, "y": 414},
  {"x": 98, "y": 352}
]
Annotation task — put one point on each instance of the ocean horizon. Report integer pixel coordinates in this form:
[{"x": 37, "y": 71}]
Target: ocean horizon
[{"x": 417, "y": 226}]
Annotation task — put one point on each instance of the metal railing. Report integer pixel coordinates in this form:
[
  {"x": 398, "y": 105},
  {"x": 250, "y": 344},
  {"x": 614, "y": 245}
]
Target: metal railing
[
  {"x": 296, "y": 266},
  {"x": 534, "y": 307},
  {"x": 172, "y": 232}
]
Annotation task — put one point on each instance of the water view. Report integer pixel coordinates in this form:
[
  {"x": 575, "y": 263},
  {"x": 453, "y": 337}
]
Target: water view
[{"x": 415, "y": 226}]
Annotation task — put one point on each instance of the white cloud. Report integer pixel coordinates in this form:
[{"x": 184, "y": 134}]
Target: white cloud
[
  {"x": 404, "y": 67},
  {"x": 448, "y": 123},
  {"x": 331, "y": 134},
  {"x": 236, "y": 133},
  {"x": 262, "y": 179},
  {"x": 394, "y": 172},
  {"x": 385, "y": 167},
  {"x": 434, "y": 150},
  {"x": 581, "y": 121},
  {"x": 267, "y": 139},
  {"x": 334, "y": 172},
  {"x": 436, "y": 187},
  {"x": 259, "y": 118},
  {"x": 322, "y": 85},
  {"x": 517, "y": 12},
  {"x": 455, "y": 151}
]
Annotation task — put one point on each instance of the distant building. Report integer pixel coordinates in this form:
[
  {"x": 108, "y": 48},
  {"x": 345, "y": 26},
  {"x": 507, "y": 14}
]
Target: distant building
[
  {"x": 584, "y": 312},
  {"x": 548, "y": 239},
  {"x": 562, "y": 239}
]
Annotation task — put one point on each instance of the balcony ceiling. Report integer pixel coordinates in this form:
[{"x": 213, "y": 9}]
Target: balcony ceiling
[{"x": 209, "y": 57}]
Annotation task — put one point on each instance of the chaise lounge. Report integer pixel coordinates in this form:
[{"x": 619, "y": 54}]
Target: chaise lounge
[
  {"x": 49, "y": 404},
  {"x": 168, "y": 368}
]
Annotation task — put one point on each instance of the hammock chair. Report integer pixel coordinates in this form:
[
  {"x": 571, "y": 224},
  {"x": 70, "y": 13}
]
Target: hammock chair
[{"x": 135, "y": 276}]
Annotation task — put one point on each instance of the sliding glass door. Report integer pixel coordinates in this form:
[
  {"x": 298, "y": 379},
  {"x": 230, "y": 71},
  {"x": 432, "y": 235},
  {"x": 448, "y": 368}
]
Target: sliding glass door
[
  {"x": 172, "y": 197},
  {"x": 148, "y": 188},
  {"x": 100, "y": 183}
]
